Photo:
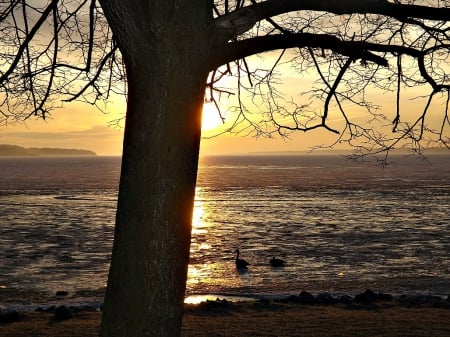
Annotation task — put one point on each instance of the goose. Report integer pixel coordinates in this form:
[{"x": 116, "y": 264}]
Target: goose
[
  {"x": 277, "y": 262},
  {"x": 240, "y": 263}
]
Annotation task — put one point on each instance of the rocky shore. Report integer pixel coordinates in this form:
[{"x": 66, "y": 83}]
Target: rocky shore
[{"x": 365, "y": 314}]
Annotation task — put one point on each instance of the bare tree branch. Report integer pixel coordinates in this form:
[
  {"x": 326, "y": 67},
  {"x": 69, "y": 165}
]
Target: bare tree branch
[
  {"x": 63, "y": 51},
  {"x": 237, "y": 22}
]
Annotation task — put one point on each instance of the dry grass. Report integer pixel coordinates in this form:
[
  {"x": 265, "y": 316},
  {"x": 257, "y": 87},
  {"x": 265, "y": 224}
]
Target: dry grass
[
  {"x": 319, "y": 321},
  {"x": 274, "y": 319},
  {"x": 44, "y": 325}
]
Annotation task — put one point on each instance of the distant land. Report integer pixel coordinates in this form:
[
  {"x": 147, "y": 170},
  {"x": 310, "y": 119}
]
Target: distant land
[{"x": 14, "y": 150}]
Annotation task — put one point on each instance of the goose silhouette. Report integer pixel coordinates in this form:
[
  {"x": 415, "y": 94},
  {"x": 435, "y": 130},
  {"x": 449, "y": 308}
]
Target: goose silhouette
[
  {"x": 240, "y": 263},
  {"x": 274, "y": 262}
]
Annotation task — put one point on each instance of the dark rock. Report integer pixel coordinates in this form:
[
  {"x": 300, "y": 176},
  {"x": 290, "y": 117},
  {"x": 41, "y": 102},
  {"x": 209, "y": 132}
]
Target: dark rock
[
  {"x": 290, "y": 299},
  {"x": 217, "y": 305},
  {"x": 62, "y": 313},
  {"x": 49, "y": 309},
  {"x": 366, "y": 297},
  {"x": 345, "y": 299},
  {"x": 74, "y": 309},
  {"x": 385, "y": 297},
  {"x": 325, "y": 298},
  {"x": 262, "y": 304},
  {"x": 411, "y": 299},
  {"x": 264, "y": 301},
  {"x": 306, "y": 298},
  {"x": 9, "y": 316},
  {"x": 418, "y": 299},
  {"x": 435, "y": 300},
  {"x": 89, "y": 307}
]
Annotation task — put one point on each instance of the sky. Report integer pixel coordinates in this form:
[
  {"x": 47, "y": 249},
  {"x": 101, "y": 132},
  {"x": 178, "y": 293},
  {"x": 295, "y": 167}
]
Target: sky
[
  {"x": 76, "y": 126},
  {"x": 82, "y": 126}
]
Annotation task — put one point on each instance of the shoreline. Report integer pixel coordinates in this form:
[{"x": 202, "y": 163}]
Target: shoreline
[
  {"x": 417, "y": 316},
  {"x": 33, "y": 300}
]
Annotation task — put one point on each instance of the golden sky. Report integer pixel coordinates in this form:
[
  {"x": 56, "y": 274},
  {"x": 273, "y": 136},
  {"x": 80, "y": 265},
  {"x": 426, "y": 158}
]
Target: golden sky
[
  {"x": 81, "y": 126},
  {"x": 77, "y": 126}
]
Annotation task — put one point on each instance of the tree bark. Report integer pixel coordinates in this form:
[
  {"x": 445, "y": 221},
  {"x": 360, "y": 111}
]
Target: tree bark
[{"x": 164, "y": 48}]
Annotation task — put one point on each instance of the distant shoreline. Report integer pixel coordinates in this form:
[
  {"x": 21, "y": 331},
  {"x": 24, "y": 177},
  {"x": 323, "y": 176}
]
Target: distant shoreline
[{"x": 7, "y": 150}]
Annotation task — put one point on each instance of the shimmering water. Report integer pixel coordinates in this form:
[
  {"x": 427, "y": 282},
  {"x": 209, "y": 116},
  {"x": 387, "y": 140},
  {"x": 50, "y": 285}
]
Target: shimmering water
[{"x": 341, "y": 226}]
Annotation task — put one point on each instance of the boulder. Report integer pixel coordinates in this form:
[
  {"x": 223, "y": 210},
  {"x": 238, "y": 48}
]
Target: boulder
[
  {"x": 345, "y": 299},
  {"x": 385, "y": 297},
  {"x": 420, "y": 299},
  {"x": 62, "y": 313},
  {"x": 366, "y": 297},
  {"x": 9, "y": 316},
  {"x": 326, "y": 298},
  {"x": 306, "y": 298}
]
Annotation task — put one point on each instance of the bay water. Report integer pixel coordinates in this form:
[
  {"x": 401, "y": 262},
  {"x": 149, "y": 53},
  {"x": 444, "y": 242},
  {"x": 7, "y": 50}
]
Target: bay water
[{"x": 341, "y": 227}]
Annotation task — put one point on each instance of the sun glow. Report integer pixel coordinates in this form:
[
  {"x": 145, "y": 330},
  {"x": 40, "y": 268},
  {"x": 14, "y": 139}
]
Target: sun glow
[{"x": 210, "y": 117}]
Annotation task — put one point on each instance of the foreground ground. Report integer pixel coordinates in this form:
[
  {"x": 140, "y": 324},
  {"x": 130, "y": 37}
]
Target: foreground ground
[{"x": 263, "y": 319}]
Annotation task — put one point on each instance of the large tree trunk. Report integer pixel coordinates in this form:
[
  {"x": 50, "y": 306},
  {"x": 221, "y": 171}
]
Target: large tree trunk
[{"x": 165, "y": 52}]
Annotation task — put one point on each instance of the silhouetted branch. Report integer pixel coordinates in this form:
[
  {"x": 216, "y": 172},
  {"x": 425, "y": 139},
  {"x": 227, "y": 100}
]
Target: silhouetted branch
[{"x": 64, "y": 51}]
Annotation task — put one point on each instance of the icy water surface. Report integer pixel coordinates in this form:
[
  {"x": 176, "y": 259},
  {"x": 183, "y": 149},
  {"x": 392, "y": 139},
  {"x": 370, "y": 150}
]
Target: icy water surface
[{"x": 342, "y": 227}]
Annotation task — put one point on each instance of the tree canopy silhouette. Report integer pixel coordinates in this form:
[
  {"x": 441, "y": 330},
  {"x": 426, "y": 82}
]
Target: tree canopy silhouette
[{"x": 167, "y": 56}]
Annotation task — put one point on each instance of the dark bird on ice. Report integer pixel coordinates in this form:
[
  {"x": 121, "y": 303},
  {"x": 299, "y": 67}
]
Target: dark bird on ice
[
  {"x": 240, "y": 263},
  {"x": 277, "y": 262}
]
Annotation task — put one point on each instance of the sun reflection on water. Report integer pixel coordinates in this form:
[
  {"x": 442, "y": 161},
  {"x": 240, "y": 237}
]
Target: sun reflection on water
[
  {"x": 198, "y": 271},
  {"x": 198, "y": 225},
  {"x": 207, "y": 270}
]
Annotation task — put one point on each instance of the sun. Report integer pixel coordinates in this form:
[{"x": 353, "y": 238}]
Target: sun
[{"x": 210, "y": 117}]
